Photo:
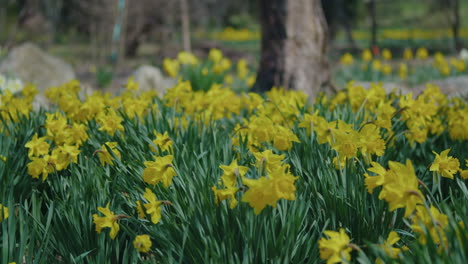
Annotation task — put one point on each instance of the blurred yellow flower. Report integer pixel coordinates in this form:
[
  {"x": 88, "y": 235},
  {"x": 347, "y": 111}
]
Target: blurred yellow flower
[
  {"x": 377, "y": 65},
  {"x": 242, "y": 69},
  {"x": 142, "y": 243},
  {"x": 387, "y": 69},
  {"x": 392, "y": 239},
  {"x": 215, "y": 55},
  {"x": 422, "y": 53},
  {"x": 187, "y": 58},
  {"x": 464, "y": 173},
  {"x": 140, "y": 211},
  {"x": 403, "y": 71},
  {"x": 336, "y": 248},
  {"x": 408, "y": 54},
  {"x": 131, "y": 84},
  {"x": 346, "y": 59},
  {"x": 171, "y": 67},
  {"x": 3, "y": 212},
  {"x": 433, "y": 221},
  {"x": 386, "y": 54},
  {"x": 366, "y": 55}
]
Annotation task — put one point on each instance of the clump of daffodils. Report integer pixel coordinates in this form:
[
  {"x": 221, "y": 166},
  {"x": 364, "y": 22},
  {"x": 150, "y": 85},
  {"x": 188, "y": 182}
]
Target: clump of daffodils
[{"x": 275, "y": 182}]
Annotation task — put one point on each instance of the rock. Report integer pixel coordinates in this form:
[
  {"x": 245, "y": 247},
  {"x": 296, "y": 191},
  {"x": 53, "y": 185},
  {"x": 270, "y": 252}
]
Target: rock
[
  {"x": 452, "y": 86},
  {"x": 31, "y": 64},
  {"x": 150, "y": 78},
  {"x": 387, "y": 86}
]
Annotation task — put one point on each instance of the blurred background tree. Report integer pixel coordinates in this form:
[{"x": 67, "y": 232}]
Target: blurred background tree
[
  {"x": 293, "y": 46},
  {"x": 111, "y": 34}
]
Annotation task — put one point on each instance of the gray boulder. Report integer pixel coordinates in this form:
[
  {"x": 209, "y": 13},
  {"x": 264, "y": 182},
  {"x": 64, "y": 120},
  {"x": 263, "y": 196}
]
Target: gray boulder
[
  {"x": 452, "y": 87},
  {"x": 456, "y": 86},
  {"x": 150, "y": 78},
  {"x": 31, "y": 64},
  {"x": 387, "y": 86}
]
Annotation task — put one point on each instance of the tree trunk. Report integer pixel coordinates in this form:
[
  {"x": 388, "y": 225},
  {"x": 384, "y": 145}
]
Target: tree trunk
[
  {"x": 372, "y": 13},
  {"x": 293, "y": 46},
  {"x": 185, "y": 24},
  {"x": 456, "y": 24},
  {"x": 272, "y": 61}
]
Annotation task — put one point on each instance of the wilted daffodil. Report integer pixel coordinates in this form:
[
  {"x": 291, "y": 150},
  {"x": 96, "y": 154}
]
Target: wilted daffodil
[
  {"x": 446, "y": 165},
  {"x": 336, "y": 248}
]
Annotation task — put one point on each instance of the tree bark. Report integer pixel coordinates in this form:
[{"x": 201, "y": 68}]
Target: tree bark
[
  {"x": 293, "y": 47},
  {"x": 272, "y": 61},
  {"x": 185, "y": 24},
  {"x": 456, "y": 24},
  {"x": 372, "y": 13}
]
